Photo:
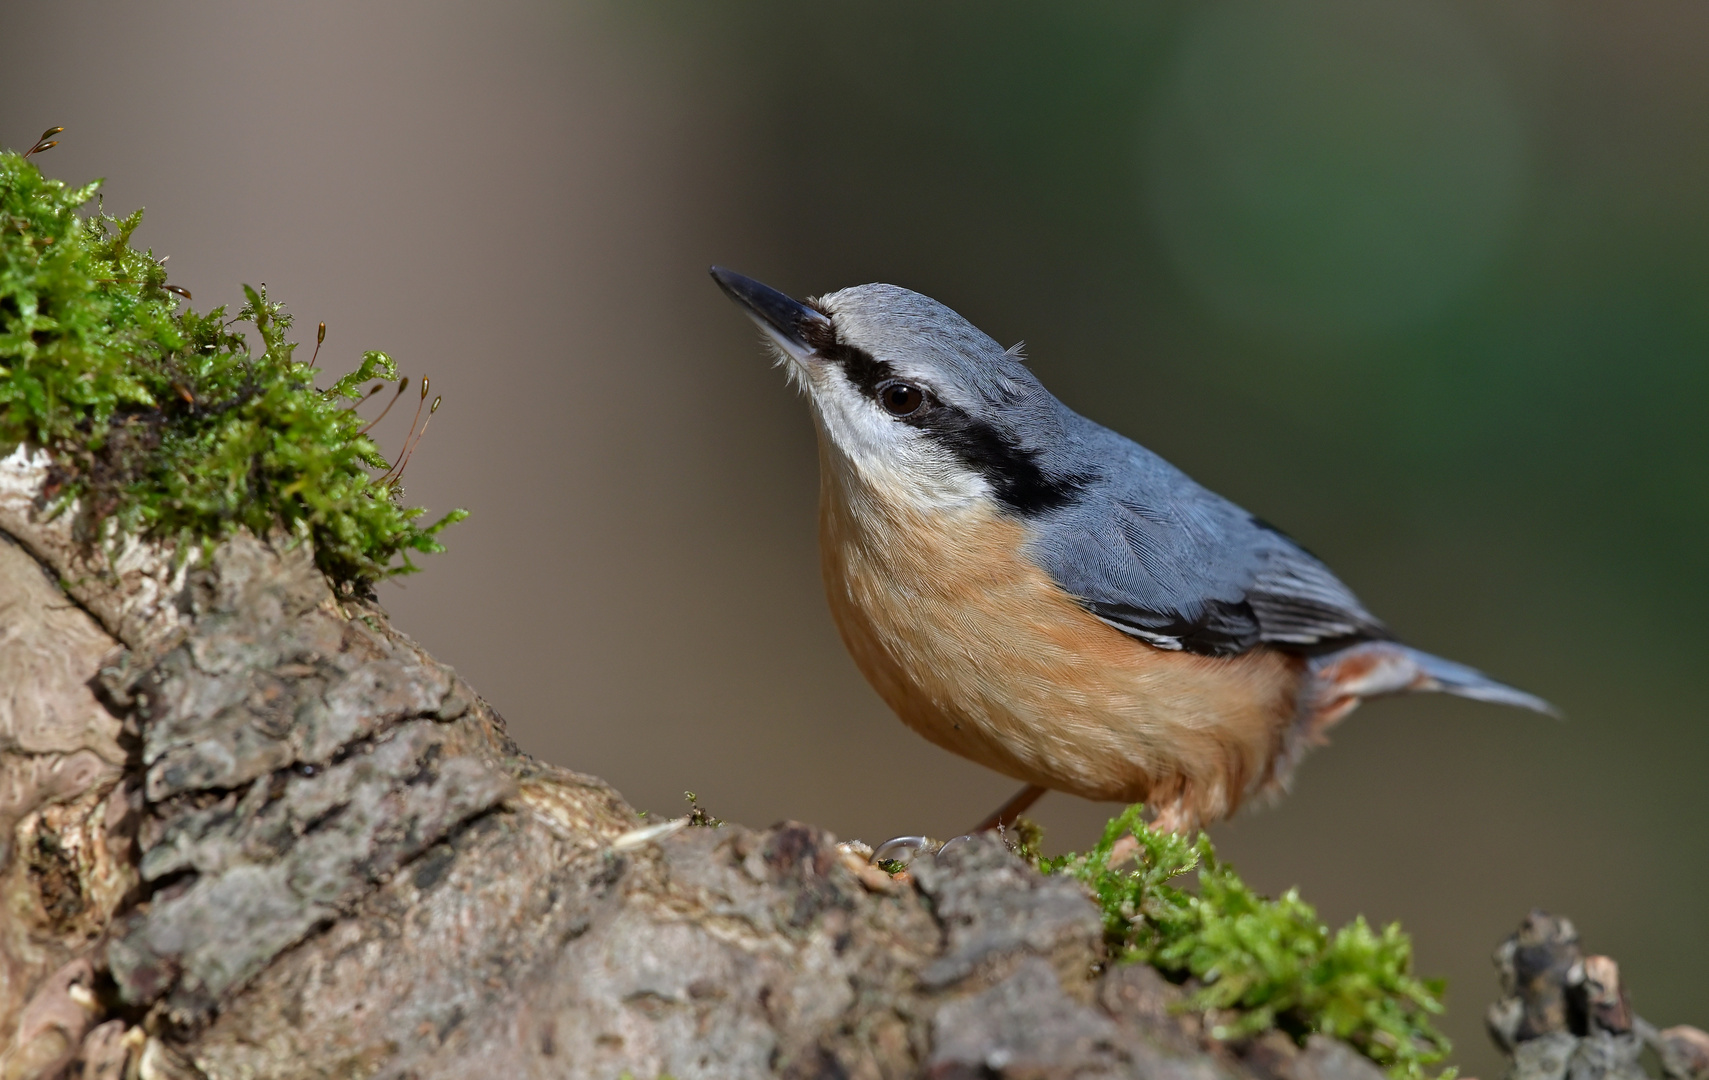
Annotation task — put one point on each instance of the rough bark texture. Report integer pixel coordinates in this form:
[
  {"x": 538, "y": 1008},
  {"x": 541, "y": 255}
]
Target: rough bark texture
[
  {"x": 247, "y": 829},
  {"x": 251, "y": 830}
]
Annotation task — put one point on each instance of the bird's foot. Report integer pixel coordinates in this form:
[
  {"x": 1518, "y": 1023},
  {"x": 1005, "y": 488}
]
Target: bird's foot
[
  {"x": 903, "y": 849},
  {"x": 900, "y": 851}
]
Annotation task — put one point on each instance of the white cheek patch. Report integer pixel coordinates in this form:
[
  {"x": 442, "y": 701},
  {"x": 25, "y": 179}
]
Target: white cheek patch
[{"x": 896, "y": 461}]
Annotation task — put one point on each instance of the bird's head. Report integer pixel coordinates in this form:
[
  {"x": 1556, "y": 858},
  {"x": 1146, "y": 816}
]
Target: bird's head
[{"x": 915, "y": 400}]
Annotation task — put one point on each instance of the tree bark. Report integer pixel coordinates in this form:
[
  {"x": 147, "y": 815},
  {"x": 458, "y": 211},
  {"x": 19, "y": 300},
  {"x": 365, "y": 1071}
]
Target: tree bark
[{"x": 248, "y": 829}]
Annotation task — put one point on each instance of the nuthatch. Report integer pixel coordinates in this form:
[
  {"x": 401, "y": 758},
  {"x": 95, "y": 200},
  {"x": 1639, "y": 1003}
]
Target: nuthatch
[{"x": 1033, "y": 591}]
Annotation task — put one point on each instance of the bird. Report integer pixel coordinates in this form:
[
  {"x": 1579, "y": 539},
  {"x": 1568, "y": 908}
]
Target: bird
[{"x": 1035, "y": 592}]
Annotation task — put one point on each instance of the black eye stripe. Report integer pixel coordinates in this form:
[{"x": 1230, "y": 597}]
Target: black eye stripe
[
  {"x": 1013, "y": 473},
  {"x": 860, "y": 367}
]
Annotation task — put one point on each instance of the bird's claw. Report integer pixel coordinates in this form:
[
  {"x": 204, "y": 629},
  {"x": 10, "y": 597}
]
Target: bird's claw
[
  {"x": 952, "y": 841},
  {"x": 900, "y": 849},
  {"x": 904, "y": 849}
]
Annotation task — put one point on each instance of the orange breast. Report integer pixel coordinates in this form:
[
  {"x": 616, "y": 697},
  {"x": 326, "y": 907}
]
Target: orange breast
[{"x": 982, "y": 653}]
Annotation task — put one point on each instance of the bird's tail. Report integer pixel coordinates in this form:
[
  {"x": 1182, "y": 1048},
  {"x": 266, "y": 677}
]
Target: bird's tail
[
  {"x": 1338, "y": 681},
  {"x": 1462, "y": 681},
  {"x": 1377, "y": 668}
]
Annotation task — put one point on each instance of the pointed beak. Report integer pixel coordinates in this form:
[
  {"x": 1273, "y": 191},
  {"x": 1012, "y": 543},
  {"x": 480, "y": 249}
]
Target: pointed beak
[{"x": 796, "y": 328}]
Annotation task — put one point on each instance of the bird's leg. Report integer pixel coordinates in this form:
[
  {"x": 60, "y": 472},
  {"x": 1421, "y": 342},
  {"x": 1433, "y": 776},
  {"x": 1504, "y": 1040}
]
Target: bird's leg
[{"x": 1005, "y": 815}]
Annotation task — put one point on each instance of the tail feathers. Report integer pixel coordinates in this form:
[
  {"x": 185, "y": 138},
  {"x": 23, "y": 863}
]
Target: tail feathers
[
  {"x": 1462, "y": 681},
  {"x": 1382, "y": 667}
]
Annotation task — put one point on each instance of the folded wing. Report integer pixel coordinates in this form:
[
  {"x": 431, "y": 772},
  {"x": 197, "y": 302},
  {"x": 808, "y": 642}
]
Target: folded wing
[{"x": 1151, "y": 552}]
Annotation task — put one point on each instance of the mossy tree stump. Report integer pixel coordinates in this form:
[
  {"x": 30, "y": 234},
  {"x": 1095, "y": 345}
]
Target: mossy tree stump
[{"x": 255, "y": 831}]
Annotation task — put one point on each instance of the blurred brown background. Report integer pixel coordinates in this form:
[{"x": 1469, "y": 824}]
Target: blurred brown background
[{"x": 1423, "y": 282}]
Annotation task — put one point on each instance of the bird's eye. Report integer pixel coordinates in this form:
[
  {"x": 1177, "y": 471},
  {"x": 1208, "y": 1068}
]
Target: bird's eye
[{"x": 901, "y": 399}]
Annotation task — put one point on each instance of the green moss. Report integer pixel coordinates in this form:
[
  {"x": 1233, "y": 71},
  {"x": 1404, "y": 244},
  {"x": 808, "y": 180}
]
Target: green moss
[
  {"x": 166, "y": 422},
  {"x": 1262, "y": 963}
]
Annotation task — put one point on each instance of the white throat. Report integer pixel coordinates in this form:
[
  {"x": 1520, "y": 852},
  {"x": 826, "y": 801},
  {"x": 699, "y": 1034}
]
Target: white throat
[{"x": 892, "y": 461}]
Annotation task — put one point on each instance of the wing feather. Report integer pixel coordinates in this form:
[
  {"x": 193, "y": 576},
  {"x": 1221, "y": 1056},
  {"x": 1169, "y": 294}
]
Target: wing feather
[{"x": 1156, "y": 555}]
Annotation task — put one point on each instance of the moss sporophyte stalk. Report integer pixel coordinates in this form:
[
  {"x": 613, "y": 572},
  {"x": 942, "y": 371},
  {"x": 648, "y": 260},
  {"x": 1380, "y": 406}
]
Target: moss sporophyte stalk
[
  {"x": 165, "y": 422},
  {"x": 1256, "y": 963}
]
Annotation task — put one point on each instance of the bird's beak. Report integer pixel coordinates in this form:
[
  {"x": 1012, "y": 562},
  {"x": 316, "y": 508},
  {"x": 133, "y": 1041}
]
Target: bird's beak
[{"x": 796, "y": 328}]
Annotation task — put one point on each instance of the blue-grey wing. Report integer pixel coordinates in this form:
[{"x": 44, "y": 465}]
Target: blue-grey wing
[{"x": 1153, "y": 553}]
